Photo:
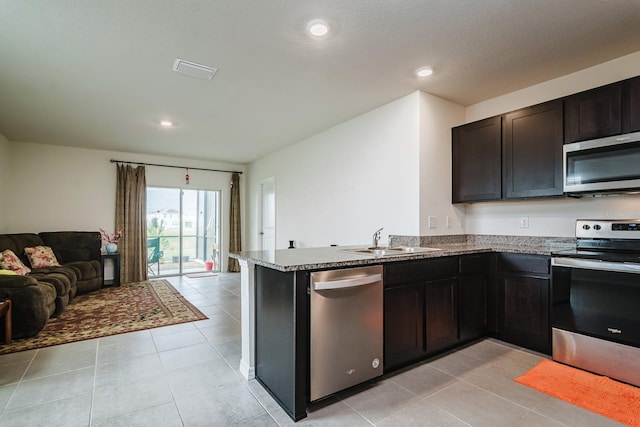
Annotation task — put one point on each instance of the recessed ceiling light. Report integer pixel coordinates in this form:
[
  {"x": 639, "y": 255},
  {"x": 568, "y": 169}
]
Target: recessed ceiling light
[
  {"x": 318, "y": 28},
  {"x": 424, "y": 71},
  {"x": 166, "y": 123}
]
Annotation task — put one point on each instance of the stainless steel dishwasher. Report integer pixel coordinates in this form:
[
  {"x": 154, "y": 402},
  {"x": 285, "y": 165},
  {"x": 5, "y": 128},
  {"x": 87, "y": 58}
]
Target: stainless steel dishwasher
[{"x": 346, "y": 328}]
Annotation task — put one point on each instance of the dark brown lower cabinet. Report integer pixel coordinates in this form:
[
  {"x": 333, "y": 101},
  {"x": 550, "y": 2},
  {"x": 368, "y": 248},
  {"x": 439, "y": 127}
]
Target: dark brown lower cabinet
[
  {"x": 441, "y": 314},
  {"x": 403, "y": 324},
  {"x": 472, "y": 292},
  {"x": 434, "y": 305},
  {"x": 523, "y": 301}
]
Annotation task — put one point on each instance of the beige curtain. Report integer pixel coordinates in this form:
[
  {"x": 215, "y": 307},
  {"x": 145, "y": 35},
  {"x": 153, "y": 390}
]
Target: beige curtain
[
  {"x": 235, "y": 244},
  {"x": 131, "y": 218}
]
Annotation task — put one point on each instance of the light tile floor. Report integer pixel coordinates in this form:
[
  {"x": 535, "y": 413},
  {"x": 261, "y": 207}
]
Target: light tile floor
[{"x": 186, "y": 375}]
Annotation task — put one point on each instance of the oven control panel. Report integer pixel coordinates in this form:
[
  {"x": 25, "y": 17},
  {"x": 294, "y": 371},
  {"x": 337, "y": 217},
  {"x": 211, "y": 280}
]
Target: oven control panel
[
  {"x": 608, "y": 228},
  {"x": 625, "y": 226}
]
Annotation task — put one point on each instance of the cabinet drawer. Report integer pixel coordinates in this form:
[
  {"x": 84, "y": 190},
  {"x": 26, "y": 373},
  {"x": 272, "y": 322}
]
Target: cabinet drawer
[
  {"x": 475, "y": 263},
  {"x": 539, "y": 264},
  {"x": 399, "y": 273}
]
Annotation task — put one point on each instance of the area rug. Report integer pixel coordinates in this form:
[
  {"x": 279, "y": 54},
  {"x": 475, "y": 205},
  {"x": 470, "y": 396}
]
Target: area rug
[
  {"x": 613, "y": 399},
  {"x": 110, "y": 311}
]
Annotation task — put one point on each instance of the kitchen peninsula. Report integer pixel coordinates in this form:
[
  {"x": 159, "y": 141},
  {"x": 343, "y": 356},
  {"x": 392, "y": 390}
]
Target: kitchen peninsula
[{"x": 465, "y": 281}]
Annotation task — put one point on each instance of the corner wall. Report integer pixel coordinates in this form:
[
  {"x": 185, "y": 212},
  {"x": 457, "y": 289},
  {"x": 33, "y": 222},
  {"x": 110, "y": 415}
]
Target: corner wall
[
  {"x": 437, "y": 117},
  {"x": 341, "y": 185},
  {"x": 67, "y": 188},
  {"x": 551, "y": 217},
  {"x": 4, "y": 179}
]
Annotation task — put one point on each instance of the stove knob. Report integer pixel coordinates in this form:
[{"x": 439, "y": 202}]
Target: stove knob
[
  {"x": 596, "y": 227},
  {"x": 586, "y": 226}
]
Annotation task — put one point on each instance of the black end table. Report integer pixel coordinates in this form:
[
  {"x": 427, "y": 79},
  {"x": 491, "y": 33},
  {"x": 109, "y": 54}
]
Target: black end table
[
  {"x": 115, "y": 260},
  {"x": 5, "y": 310}
]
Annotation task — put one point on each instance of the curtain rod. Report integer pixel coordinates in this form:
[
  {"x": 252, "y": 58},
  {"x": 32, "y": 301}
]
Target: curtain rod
[{"x": 172, "y": 166}]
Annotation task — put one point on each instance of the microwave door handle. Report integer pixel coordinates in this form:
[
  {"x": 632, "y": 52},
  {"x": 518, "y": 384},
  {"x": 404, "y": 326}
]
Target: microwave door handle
[
  {"x": 620, "y": 267},
  {"x": 347, "y": 283}
]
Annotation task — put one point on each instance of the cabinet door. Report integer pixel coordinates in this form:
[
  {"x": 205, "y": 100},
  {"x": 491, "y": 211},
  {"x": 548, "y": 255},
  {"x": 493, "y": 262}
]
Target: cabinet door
[
  {"x": 532, "y": 151},
  {"x": 476, "y": 155},
  {"x": 594, "y": 114},
  {"x": 442, "y": 314},
  {"x": 403, "y": 324},
  {"x": 472, "y": 291},
  {"x": 523, "y": 310},
  {"x": 631, "y": 106}
]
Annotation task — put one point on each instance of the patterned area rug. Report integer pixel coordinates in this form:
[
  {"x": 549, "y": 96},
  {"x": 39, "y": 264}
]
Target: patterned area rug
[{"x": 110, "y": 311}]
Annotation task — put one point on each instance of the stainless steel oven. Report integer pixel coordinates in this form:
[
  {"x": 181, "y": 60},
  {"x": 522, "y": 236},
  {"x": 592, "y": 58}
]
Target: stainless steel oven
[
  {"x": 602, "y": 165},
  {"x": 595, "y": 313}
]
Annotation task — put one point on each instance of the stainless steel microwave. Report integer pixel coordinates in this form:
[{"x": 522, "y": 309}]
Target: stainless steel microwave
[{"x": 610, "y": 164}]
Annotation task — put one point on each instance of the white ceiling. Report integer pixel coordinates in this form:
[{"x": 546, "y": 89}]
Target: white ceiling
[{"x": 98, "y": 73}]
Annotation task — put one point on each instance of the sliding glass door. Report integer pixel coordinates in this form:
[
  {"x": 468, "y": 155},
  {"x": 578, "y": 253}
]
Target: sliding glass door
[{"x": 183, "y": 231}]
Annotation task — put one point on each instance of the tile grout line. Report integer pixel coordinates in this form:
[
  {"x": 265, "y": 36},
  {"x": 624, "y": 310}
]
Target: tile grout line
[{"x": 4, "y": 411}]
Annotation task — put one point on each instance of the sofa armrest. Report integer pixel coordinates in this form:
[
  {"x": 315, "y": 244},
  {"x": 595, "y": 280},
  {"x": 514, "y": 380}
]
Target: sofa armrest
[{"x": 16, "y": 281}]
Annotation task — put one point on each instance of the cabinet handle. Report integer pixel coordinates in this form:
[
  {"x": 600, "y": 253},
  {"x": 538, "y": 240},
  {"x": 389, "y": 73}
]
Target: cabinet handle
[
  {"x": 620, "y": 267},
  {"x": 347, "y": 283}
]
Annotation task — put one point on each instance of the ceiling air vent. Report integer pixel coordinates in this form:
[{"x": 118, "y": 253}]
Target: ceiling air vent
[{"x": 194, "y": 70}]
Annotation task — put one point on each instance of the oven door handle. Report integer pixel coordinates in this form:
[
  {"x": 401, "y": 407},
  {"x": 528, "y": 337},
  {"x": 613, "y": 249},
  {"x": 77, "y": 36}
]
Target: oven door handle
[{"x": 588, "y": 264}]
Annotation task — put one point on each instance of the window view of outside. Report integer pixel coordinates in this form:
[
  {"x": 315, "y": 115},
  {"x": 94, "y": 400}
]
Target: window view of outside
[{"x": 183, "y": 231}]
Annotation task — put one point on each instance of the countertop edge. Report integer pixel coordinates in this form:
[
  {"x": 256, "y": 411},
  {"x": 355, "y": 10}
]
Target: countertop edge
[{"x": 446, "y": 250}]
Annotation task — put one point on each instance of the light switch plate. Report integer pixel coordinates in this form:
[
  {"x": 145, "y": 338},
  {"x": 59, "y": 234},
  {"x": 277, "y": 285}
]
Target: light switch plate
[{"x": 524, "y": 222}]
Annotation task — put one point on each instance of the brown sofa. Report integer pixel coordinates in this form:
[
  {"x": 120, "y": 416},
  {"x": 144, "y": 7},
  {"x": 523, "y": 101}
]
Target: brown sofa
[{"x": 45, "y": 292}]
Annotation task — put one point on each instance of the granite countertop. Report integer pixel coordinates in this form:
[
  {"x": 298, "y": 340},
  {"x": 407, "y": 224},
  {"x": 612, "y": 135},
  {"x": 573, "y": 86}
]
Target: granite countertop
[{"x": 335, "y": 257}]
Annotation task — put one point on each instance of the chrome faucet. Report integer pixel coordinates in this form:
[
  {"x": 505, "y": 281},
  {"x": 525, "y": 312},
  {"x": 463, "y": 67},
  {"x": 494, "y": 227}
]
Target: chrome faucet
[{"x": 376, "y": 238}]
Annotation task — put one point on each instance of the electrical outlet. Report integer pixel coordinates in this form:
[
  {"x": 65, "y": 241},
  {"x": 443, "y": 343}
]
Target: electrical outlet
[
  {"x": 432, "y": 222},
  {"x": 524, "y": 222},
  {"x": 449, "y": 225}
]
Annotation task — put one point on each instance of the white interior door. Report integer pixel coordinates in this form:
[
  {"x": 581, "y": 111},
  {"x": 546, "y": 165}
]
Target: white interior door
[{"x": 268, "y": 220}]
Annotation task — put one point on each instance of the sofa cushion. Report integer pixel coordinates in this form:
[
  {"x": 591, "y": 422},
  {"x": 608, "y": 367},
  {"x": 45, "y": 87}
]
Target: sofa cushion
[
  {"x": 41, "y": 256},
  {"x": 10, "y": 261},
  {"x": 66, "y": 271},
  {"x": 86, "y": 269},
  {"x": 62, "y": 284}
]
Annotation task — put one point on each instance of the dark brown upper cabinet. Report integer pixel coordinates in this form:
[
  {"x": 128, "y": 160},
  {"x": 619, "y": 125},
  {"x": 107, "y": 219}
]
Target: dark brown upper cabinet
[
  {"x": 532, "y": 151},
  {"x": 631, "y": 105},
  {"x": 477, "y": 162},
  {"x": 595, "y": 113}
]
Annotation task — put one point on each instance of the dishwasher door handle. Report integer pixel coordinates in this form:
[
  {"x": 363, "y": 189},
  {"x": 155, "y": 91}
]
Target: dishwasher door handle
[{"x": 347, "y": 283}]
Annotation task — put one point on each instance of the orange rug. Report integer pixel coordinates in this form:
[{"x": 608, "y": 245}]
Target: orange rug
[{"x": 613, "y": 399}]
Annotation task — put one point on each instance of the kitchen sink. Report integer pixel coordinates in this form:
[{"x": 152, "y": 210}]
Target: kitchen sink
[
  {"x": 413, "y": 249},
  {"x": 392, "y": 251}
]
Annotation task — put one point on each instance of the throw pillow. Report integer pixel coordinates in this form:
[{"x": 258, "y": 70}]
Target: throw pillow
[
  {"x": 11, "y": 262},
  {"x": 41, "y": 256},
  {"x": 7, "y": 272}
]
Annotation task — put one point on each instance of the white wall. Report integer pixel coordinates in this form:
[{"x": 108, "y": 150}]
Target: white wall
[
  {"x": 437, "y": 117},
  {"x": 339, "y": 186},
  {"x": 551, "y": 217},
  {"x": 5, "y": 193},
  {"x": 66, "y": 188}
]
